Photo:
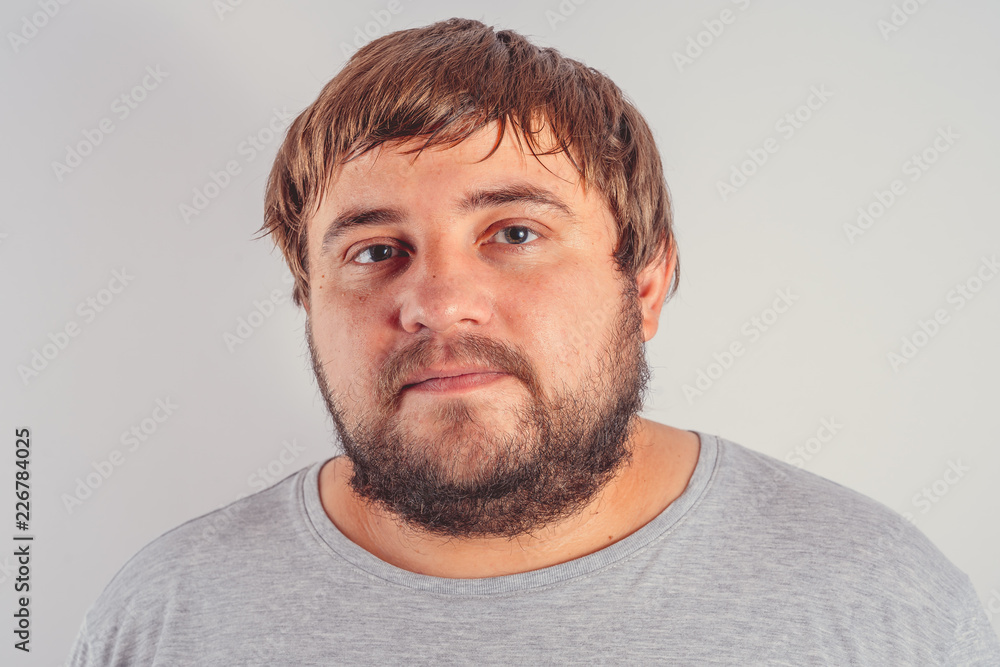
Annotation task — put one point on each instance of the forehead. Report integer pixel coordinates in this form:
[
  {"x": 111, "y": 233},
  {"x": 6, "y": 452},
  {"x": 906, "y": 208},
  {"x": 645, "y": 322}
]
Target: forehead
[
  {"x": 511, "y": 152},
  {"x": 441, "y": 176}
]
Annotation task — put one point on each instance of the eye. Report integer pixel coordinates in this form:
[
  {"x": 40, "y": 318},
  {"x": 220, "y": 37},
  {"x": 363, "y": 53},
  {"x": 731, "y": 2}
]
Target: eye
[
  {"x": 515, "y": 235},
  {"x": 379, "y": 253}
]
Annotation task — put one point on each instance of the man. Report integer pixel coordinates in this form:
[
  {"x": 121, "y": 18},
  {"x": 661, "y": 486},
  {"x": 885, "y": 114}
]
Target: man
[{"x": 480, "y": 235}]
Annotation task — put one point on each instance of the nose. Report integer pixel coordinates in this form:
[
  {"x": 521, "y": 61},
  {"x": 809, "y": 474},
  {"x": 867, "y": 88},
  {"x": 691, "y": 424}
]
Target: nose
[{"x": 444, "y": 290}]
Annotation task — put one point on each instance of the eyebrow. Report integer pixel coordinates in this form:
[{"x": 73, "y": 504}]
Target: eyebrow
[{"x": 477, "y": 200}]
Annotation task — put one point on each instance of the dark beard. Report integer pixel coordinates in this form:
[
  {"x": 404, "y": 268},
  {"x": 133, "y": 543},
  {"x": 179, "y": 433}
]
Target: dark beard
[{"x": 564, "y": 452}]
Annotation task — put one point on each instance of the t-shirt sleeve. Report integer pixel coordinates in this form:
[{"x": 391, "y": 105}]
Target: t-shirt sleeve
[
  {"x": 81, "y": 654},
  {"x": 116, "y": 634},
  {"x": 976, "y": 642},
  {"x": 123, "y": 624}
]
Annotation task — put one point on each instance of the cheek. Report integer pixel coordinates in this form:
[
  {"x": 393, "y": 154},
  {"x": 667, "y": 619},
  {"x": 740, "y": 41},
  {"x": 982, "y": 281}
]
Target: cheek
[
  {"x": 351, "y": 336},
  {"x": 564, "y": 324}
]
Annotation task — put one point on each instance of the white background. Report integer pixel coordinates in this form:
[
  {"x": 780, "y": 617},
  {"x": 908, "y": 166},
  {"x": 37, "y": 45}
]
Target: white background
[{"x": 226, "y": 72}]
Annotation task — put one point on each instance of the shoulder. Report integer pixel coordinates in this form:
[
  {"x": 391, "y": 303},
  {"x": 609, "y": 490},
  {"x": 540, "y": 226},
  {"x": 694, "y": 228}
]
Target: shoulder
[
  {"x": 815, "y": 510},
  {"x": 219, "y": 552},
  {"x": 241, "y": 527},
  {"x": 819, "y": 524},
  {"x": 846, "y": 554},
  {"x": 775, "y": 488}
]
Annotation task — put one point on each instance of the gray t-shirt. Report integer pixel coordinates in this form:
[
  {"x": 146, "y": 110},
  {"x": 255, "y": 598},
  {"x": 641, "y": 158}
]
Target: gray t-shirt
[{"x": 756, "y": 563}]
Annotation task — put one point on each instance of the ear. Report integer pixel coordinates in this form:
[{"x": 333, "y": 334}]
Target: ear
[
  {"x": 305, "y": 305},
  {"x": 652, "y": 284}
]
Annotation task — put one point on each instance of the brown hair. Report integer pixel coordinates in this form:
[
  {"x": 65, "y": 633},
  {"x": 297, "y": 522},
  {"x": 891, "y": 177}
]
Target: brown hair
[{"x": 445, "y": 81}]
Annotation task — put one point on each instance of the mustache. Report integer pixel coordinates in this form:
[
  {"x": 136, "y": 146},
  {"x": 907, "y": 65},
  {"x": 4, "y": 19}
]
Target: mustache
[{"x": 466, "y": 348}]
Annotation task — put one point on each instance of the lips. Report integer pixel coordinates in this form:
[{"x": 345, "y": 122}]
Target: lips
[{"x": 464, "y": 372}]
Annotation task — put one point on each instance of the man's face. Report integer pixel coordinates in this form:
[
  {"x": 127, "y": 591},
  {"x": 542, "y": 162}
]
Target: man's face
[{"x": 480, "y": 354}]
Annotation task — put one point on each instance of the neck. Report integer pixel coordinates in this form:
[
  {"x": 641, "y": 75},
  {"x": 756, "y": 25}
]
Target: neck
[{"x": 662, "y": 462}]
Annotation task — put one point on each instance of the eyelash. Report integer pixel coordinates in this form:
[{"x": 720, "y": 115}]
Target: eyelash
[{"x": 395, "y": 248}]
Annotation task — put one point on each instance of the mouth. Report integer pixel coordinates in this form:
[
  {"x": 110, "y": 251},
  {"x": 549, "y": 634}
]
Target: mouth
[{"x": 454, "y": 381}]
